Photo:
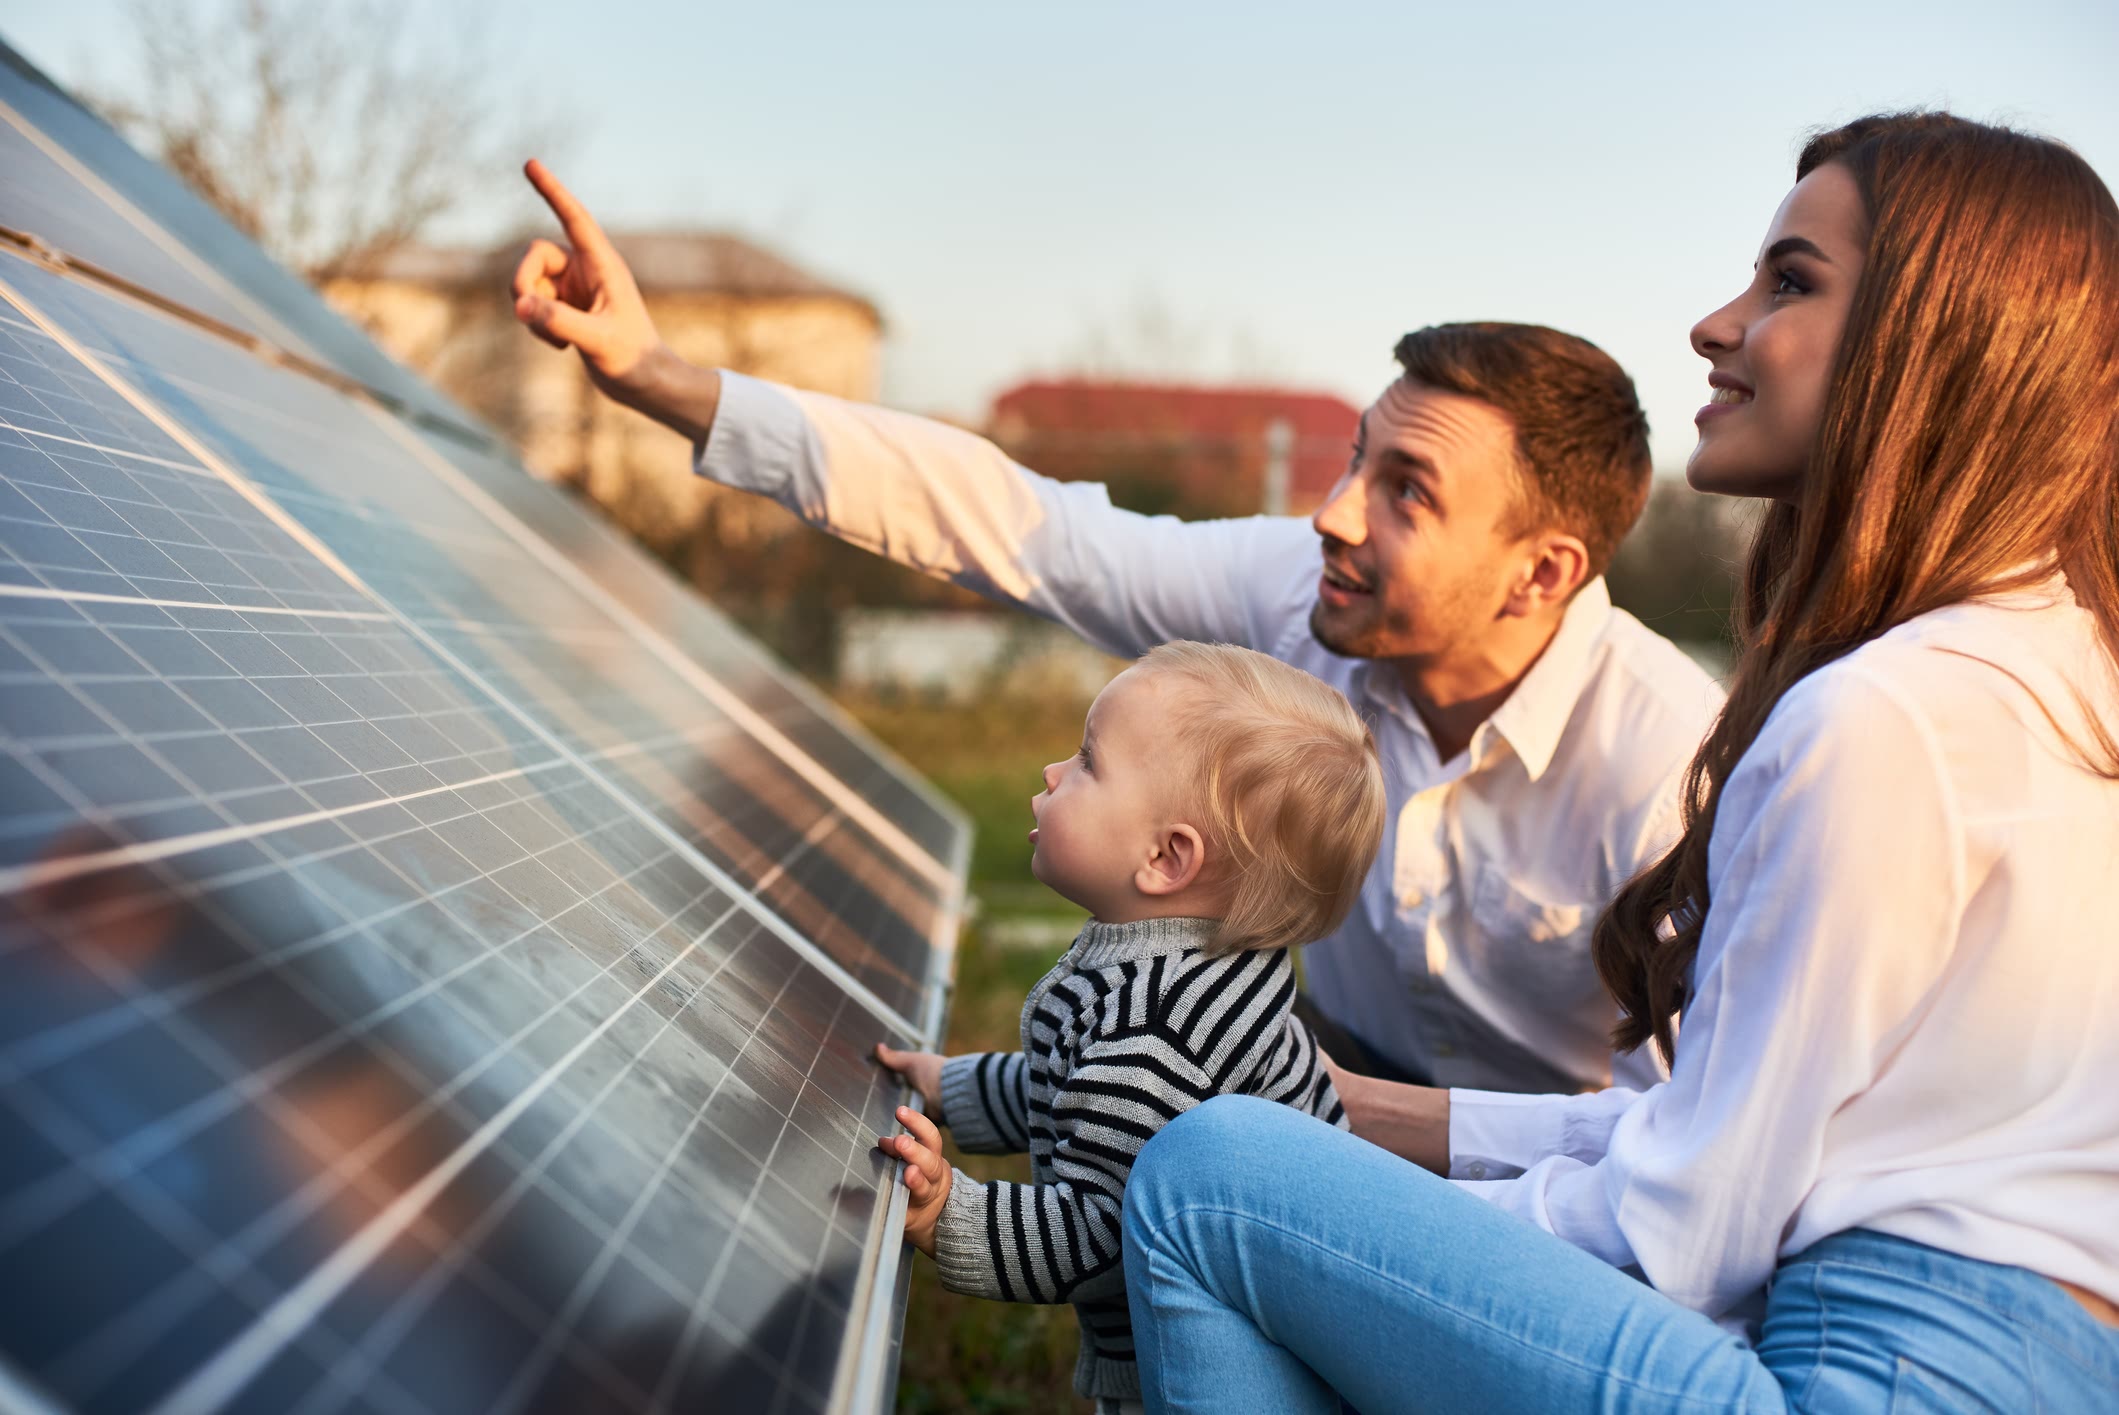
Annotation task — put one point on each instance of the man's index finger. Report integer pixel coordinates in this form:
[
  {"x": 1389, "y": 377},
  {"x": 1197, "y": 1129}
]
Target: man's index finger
[{"x": 574, "y": 218}]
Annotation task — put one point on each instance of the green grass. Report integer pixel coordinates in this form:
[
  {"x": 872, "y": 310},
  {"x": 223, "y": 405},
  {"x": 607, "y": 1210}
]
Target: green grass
[{"x": 963, "y": 1355}]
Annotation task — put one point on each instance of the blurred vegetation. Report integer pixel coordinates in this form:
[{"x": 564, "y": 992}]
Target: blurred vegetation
[
  {"x": 1677, "y": 570},
  {"x": 964, "y": 1355}
]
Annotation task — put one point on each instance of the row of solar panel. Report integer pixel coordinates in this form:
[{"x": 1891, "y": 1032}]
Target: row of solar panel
[{"x": 438, "y": 955}]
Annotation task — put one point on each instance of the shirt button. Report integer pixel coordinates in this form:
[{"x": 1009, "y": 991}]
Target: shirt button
[{"x": 1476, "y": 1169}]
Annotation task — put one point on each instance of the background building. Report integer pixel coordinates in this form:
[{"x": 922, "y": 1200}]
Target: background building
[
  {"x": 718, "y": 299},
  {"x": 1192, "y": 450}
]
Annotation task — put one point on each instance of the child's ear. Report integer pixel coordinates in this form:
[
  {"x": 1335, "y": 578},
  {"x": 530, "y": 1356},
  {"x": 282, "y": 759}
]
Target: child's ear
[{"x": 1175, "y": 861}]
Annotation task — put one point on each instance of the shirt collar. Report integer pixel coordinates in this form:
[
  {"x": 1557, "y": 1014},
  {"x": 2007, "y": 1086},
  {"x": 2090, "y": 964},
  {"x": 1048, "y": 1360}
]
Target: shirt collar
[{"x": 1532, "y": 718}]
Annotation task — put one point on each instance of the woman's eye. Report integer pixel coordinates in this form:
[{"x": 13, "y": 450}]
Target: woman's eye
[{"x": 1787, "y": 282}]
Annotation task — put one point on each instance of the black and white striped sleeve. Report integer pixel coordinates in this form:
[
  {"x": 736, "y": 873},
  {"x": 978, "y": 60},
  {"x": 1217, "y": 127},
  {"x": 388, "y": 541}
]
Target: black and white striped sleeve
[
  {"x": 986, "y": 1102},
  {"x": 1059, "y": 1241}
]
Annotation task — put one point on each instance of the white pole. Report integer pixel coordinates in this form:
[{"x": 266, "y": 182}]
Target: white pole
[{"x": 1280, "y": 449}]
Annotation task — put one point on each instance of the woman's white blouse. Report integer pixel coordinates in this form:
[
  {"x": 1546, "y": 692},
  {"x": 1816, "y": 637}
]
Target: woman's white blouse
[{"x": 1906, "y": 1005}]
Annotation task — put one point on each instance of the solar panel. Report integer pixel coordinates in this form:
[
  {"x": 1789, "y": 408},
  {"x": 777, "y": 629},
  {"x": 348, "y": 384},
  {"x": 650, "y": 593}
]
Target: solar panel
[
  {"x": 438, "y": 956},
  {"x": 109, "y": 206}
]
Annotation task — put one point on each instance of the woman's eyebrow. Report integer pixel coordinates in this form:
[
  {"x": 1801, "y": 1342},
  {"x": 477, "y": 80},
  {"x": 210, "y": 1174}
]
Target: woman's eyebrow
[{"x": 1796, "y": 245}]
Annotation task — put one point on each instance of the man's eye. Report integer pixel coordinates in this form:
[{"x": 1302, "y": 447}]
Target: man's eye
[{"x": 1409, "y": 490}]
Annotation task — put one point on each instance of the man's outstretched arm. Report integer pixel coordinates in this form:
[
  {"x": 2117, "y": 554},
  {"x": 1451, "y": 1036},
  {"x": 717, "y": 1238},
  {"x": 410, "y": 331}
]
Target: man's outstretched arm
[{"x": 935, "y": 498}]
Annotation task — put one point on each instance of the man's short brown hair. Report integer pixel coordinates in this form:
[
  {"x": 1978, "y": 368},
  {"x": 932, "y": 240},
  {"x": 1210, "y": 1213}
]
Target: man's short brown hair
[{"x": 1581, "y": 437}]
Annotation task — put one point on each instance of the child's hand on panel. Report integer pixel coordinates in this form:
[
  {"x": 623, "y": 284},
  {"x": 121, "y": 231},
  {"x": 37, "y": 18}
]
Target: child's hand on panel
[
  {"x": 922, "y": 1071},
  {"x": 926, "y": 1175}
]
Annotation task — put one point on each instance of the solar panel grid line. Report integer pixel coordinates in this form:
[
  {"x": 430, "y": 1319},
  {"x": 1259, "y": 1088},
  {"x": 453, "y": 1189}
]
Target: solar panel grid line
[
  {"x": 77, "y": 442},
  {"x": 153, "y": 231},
  {"x": 208, "y": 1259},
  {"x": 438, "y": 1272},
  {"x": 94, "y": 597},
  {"x": 67, "y": 866},
  {"x": 231, "y": 1368},
  {"x": 308, "y": 540},
  {"x": 901, "y": 770},
  {"x": 823, "y": 827},
  {"x": 62, "y": 867},
  {"x": 887, "y": 831},
  {"x": 384, "y": 1138},
  {"x": 585, "y": 1287},
  {"x": 175, "y": 1226},
  {"x": 936, "y": 927},
  {"x": 698, "y": 1316},
  {"x": 723, "y": 916},
  {"x": 836, "y": 743},
  {"x": 21, "y": 1211}
]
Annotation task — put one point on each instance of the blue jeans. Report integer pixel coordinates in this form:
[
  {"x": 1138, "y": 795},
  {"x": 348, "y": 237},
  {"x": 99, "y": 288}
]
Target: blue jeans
[{"x": 1276, "y": 1264}]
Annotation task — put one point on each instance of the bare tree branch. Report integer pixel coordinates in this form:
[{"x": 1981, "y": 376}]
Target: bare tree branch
[{"x": 325, "y": 129}]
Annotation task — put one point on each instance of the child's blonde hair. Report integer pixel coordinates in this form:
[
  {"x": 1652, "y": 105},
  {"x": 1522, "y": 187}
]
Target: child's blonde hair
[{"x": 1288, "y": 784}]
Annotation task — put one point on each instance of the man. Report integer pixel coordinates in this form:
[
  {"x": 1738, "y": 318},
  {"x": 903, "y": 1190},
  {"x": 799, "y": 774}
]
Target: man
[{"x": 1533, "y": 737}]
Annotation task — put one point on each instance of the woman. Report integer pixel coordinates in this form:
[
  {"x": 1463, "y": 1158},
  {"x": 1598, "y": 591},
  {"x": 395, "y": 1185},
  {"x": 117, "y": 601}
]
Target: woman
[{"x": 1884, "y": 1173}]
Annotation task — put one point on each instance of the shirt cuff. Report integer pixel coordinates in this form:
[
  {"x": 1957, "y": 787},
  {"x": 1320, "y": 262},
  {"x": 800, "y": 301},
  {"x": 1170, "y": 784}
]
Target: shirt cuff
[
  {"x": 758, "y": 439},
  {"x": 1495, "y": 1135}
]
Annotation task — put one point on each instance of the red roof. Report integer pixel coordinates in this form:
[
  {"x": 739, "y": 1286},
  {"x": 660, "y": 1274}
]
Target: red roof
[{"x": 1211, "y": 441}]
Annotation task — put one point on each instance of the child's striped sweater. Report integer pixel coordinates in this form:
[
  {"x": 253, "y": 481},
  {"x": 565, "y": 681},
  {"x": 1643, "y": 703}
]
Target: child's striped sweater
[{"x": 1133, "y": 1026}]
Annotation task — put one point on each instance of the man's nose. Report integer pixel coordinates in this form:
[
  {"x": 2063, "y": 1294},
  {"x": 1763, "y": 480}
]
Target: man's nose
[{"x": 1341, "y": 518}]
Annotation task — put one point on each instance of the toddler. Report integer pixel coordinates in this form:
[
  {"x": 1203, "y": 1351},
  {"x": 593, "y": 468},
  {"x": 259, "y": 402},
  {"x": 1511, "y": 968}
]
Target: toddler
[{"x": 1223, "y": 808}]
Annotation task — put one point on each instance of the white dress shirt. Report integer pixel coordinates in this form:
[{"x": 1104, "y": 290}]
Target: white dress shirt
[
  {"x": 1467, "y": 957},
  {"x": 1905, "y": 1010}
]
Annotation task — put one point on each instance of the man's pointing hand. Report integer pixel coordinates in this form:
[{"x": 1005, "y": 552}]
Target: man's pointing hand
[{"x": 581, "y": 295}]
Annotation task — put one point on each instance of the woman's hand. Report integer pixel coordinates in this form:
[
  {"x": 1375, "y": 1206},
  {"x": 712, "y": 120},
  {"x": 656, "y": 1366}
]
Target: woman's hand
[{"x": 1411, "y": 1122}]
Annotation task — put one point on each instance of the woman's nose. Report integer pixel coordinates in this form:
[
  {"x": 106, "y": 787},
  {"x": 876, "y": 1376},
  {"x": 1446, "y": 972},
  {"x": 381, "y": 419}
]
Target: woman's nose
[{"x": 1718, "y": 333}]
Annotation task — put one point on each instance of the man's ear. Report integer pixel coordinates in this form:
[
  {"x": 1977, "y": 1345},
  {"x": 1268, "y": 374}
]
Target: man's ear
[
  {"x": 1557, "y": 566},
  {"x": 1174, "y": 863}
]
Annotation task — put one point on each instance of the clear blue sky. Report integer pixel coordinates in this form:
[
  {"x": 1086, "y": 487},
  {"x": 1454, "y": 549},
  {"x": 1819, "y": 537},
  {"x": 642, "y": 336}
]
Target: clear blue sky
[{"x": 1287, "y": 187}]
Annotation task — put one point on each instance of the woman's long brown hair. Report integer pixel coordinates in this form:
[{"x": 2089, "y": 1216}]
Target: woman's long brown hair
[{"x": 1969, "y": 442}]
